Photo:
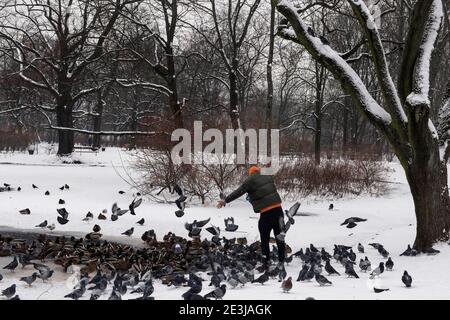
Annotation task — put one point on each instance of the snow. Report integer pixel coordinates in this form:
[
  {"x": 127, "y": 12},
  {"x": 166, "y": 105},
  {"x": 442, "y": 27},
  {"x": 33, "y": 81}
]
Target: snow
[
  {"x": 420, "y": 95},
  {"x": 94, "y": 185}
]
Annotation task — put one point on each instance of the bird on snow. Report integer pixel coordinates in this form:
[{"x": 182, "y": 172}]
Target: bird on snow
[
  {"x": 61, "y": 201},
  {"x": 12, "y": 265},
  {"x": 261, "y": 279},
  {"x": 409, "y": 252},
  {"x": 377, "y": 271},
  {"x": 26, "y": 211},
  {"x": 322, "y": 280},
  {"x": 34, "y": 186},
  {"x": 389, "y": 264},
  {"x": 302, "y": 273},
  {"x": 360, "y": 248},
  {"x": 47, "y": 193},
  {"x": 331, "y": 207},
  {"x": 9, "y": 292},
  {"x": 129, "y": 232},
  {"x": 378, "y": 290},
  {"x": 329, "y": 268},
  {"x": 383, "y": 251},
  {"x": 353, "y": 219},
  {"x": 217, "y": 293},
  {"x": 229, "y": 225},
  {"x": 30, "y": 279},
  {"x": 96, "y": 228},
  {"x": 406, "y": 279},
  {"x": 350, "y": 271},
  {"x": 141, "y": 222},
  {"x": 286, "y": 285}
]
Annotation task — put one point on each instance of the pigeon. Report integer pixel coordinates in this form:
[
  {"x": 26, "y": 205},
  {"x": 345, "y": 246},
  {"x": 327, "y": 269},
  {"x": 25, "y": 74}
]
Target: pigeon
[
  {"x": 375, "y": 245},
  {"x": 383, "y": 251},
  {"x": 261, "y": 279},
  {"x": 102, "y": 215},
  {"x": 134, "y": 204},
  {"x": 410, "y": 252},
  {"x": 34, "y": 186},
  {"x": 349, "y": 271},
  {"x": 62, "y": 220},
  {"x": 19, "y": 189},
  {"x": 324, "y": 40},
  {"x": 302, "y": 273},
  {"x": 47, "y": 193},
  {"x": 114, "y": 217},
  {"x": 115, "y": 296},
  {"x": 179, "y": 213},
  {"x": 45, "y": 272},
  {"x": 363, "y": 265},
  {"x": 9, "y": 292},
  {"x": 217, "y": 293},
  {"x": 66, "y": 186},
  {"x": 389, "y": 264},
  {"x": 352, "y": 219},
  {"x": 377, "y": 271},
  {"x": 141, "y": 222},
  {"x": 377, "y": 290},
  {"x": 61, "y": 188},
  {"x": 311, "y": 32},
  {"x": 229, "y": 225},
  {"x": 61, "y": 201},
  {"x": 89, "y": 217},
  {"x": 360, "y": 248},
  {"x": 63, "y": 213},
  {"x": 407, "y": 279},
  {"x": 30, "y": 279},
  {"x": 12, "y": 265},
  {"x": 215, "y": 231},
  {"x": 129, "y": 232},
  {"x": 26, "y": 211},
  {"x": 322, "y": 280},
  {"x": 42, "y": 224},
  {"x": 77, "y": 293},
  {"x": 329, "y": 268},
  {"x": 286, "y": 285},
  {"x": 121, "y": 192},
  {"x": 351, "y": 225},
  {"x": 96, "y": 228}
]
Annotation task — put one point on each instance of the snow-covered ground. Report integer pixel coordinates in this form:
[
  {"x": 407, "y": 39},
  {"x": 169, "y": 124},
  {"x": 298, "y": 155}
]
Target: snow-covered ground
[{"x": 94, "y": 186}]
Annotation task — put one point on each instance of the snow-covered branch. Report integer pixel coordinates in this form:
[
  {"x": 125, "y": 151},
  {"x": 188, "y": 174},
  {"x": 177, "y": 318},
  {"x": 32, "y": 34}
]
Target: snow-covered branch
[
  {"x": 419, "y": 97},
  {"x": 375, "y": 43},
  {"x": 334, "y": 63}
]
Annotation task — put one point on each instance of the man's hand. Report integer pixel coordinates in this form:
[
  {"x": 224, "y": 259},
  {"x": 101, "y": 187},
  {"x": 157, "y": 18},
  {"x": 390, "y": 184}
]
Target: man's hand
[{"x": 221, "y": 204}]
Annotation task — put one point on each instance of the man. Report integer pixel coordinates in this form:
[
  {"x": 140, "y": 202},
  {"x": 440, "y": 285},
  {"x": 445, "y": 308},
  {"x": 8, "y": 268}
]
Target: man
[{"x": 265, "y": 200}]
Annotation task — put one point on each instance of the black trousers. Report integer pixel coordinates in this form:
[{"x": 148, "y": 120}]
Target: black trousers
[{"x": 269, "y": 221}]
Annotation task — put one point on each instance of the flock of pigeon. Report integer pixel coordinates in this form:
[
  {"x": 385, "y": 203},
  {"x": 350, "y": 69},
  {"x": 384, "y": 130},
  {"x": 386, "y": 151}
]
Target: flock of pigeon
[{"x": 110, "y": 270}]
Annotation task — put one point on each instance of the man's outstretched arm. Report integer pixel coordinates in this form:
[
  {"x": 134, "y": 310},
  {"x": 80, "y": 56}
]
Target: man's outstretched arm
[{"x": 239, "y": 192}]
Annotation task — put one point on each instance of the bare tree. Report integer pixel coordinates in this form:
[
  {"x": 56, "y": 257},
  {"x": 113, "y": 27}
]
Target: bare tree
[
  {"x": 405, "y": 119},
  {"x": 53, "y": 43}
]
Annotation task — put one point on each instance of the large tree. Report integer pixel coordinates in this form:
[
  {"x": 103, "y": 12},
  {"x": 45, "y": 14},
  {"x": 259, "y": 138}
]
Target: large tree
[
  {"x": 403, "y": 115},
  {"x": 53, "y": 43}
]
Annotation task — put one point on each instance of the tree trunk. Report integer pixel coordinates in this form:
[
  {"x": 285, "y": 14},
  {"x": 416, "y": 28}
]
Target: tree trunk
[
  {"x": 96, "y": 143},
  {"x": 429, "y": 189},
  {"x": 234, "y": 101},
  {"x": 65, "y": 137},
  {"x": 269, "y": 110}
]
